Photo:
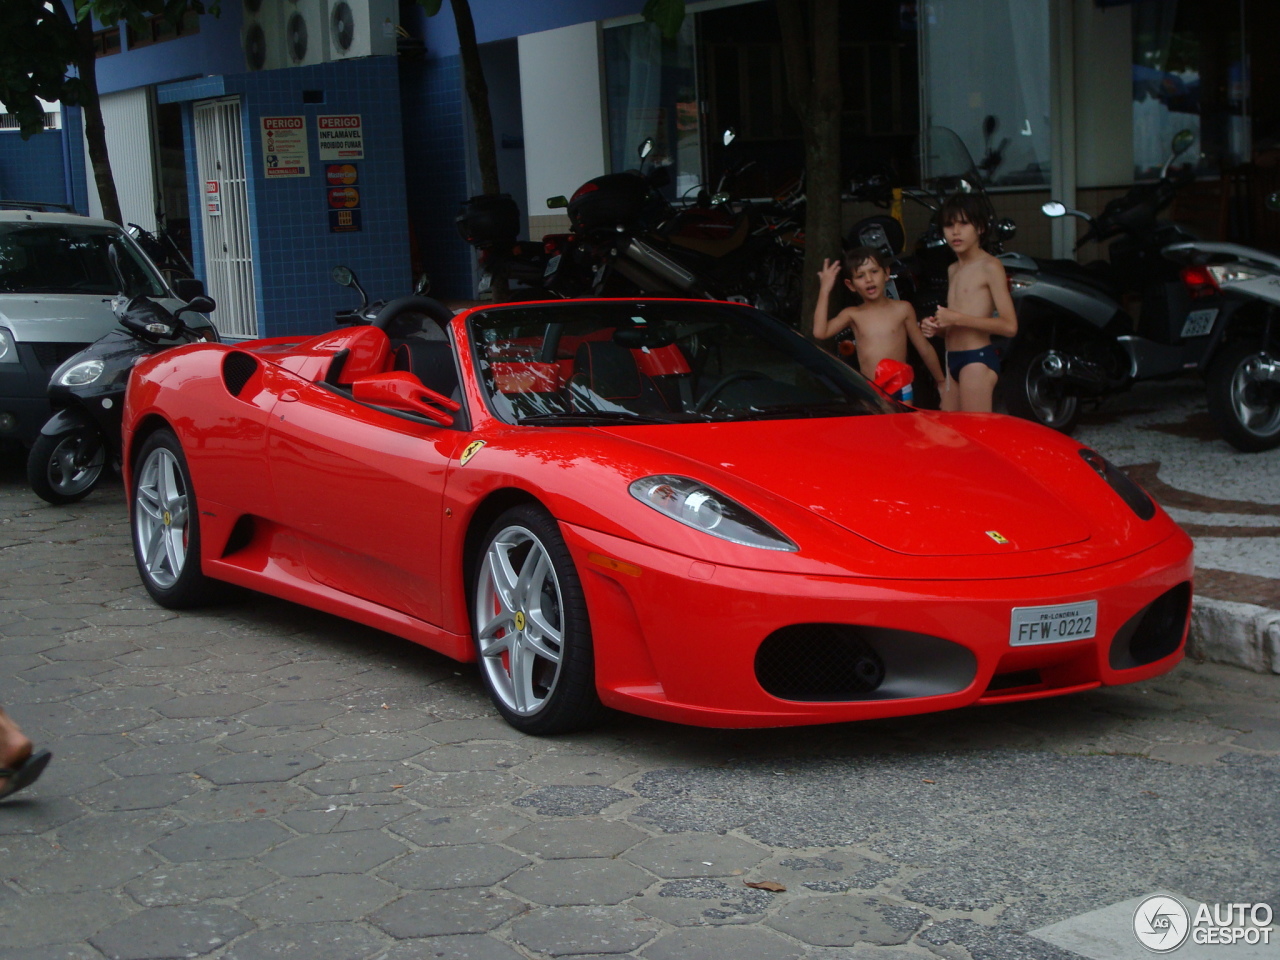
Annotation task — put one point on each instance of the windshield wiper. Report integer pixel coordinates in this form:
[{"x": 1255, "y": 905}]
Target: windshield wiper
[{"x": 589, "y": 416}]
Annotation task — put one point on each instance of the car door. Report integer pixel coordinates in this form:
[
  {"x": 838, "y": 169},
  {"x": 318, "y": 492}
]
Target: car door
[{"x": 362, "y": 490}]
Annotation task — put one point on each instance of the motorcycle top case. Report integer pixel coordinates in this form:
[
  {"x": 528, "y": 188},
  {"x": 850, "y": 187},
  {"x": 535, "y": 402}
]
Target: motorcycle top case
[
  {"x": 488, "y": 221},
  {"x": 606, "y": 202}
]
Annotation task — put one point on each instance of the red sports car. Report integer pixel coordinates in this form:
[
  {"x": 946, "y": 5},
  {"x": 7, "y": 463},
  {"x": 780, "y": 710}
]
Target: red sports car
[{"x": 679, "y": 509}]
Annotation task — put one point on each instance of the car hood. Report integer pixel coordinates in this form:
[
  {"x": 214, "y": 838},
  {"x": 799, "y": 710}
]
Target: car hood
[
  {"x": 60, "y": 318},
  {"x": 907, "y": 482}
]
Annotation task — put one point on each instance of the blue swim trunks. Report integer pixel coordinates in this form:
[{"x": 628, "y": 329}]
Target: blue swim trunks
[{"x": 957, "y": 360}]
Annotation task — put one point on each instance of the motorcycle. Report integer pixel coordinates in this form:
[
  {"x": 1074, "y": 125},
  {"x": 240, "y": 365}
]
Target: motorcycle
[
  {"x": 162, "y": 249},
  {"x": 1078, "y": 339},
  {"x": 526, "y": 268},
  {"x": 1242, "y": 373},
  {"x": 68, "y": 458}
]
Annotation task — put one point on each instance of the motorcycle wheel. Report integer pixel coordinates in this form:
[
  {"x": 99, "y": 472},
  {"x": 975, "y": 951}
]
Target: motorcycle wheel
[
  {"x": 66, "y": 466},
  {"x": 1032, "y": 394},
  {"x": 1245, "y": 410}
]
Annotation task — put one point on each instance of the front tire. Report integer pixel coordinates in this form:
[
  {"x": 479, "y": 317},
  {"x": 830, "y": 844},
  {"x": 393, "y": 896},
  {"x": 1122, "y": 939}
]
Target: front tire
[
  {"x": 166, "y": 526},
  {"x": 1030, "y": 393},
  {"x": 532, "y": 631},
  {"x": 1245, "y": 410},
  {"x": 65, "y": 467}
]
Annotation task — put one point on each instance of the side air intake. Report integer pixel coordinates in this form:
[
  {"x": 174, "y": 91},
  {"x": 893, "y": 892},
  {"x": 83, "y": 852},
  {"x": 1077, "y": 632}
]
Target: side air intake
[{"x": 237, "y": 368}]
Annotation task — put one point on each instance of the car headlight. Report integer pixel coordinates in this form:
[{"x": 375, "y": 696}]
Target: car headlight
[
  {"x": 1129, "y": 492},
  {"x": 1234, "y": 273},
  {"x": 84, "y": 372},
  {"x": 697, "y": 505},
  {"x": 1021, "y": 282},
  {"x": 8, "y": 347}
]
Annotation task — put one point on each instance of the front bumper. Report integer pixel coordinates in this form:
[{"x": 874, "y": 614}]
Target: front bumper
[
  {"x": 677, "y": 639},
  {"x": 24, "y": 393}
]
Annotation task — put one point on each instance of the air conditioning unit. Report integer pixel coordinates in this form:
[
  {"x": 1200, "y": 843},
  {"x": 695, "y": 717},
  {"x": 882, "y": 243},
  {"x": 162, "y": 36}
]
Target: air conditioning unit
[
  {"x": 362, "y": 28},
  {"x": 262, "y": 35},
  {"x": 306, "y": 31}
]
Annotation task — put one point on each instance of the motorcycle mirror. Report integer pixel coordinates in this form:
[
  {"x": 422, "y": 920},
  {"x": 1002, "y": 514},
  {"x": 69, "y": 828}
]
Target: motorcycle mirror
[
  {"x": 646, "y": 148},
  {"x": 719, "y": 199},
  {"x": 1182, "y": 141},
  {"x": 1053, "y": 209},
  {"x": 422, "y": 286},
  {"x": 343, "y": 276},
  {"x": 554, "y": 203},
  {"x": 198, "y": 305},
  {"x": 1004, "y": 229},
  {"x": 989, "y": 125},
  {"x": 729, "y": 136},
  {"x": 1273, "y": 202}
]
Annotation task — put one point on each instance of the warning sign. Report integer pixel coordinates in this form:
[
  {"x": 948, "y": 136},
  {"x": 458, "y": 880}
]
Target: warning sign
[
  {"x": 341, "y": 174},
  {"x": 212, "y": 198},
  {"x": 284, "y": 147},
  {"x": 341, "y": 138}
]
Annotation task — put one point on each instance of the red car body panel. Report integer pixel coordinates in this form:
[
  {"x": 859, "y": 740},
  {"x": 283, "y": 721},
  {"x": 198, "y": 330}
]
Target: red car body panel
[{"x": 364, "y": 514}]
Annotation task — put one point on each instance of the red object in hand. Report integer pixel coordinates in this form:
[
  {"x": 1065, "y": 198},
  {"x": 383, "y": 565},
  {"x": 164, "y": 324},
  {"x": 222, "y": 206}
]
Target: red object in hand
[{"x": 893, "y": 375}]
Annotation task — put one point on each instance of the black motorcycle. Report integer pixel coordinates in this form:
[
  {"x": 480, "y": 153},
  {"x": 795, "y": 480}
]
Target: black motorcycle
[{"x": 73, "y": 449}]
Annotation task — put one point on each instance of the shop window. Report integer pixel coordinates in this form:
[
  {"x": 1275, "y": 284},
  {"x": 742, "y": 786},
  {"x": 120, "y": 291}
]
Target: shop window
[
  {"x": 106, "y": 42},
  {"x": 161, "y": 28}
]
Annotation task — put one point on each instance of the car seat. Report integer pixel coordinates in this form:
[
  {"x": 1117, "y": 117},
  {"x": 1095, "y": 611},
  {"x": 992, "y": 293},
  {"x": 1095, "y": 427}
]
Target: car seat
[{"x": 431, "y": 361}]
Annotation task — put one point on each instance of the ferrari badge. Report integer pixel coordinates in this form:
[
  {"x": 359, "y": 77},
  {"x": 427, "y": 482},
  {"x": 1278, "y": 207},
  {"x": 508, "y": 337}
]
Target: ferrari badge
[
  {"x": 995, "y": 535},
  {"x": 472, "y": 449}
]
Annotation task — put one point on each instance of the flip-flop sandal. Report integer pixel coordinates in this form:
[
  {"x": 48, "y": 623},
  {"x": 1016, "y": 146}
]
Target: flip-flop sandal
[{"x": 25, "y": 774}]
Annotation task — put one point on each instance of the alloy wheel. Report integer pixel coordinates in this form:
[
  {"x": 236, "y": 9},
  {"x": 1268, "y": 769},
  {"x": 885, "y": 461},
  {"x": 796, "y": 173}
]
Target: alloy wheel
[{"x": 161, "y": 518}]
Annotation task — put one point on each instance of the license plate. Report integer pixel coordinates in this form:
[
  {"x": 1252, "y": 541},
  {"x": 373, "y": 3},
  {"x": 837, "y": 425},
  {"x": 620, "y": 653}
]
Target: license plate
[
  {"x": 1064, "y": 622},
  {"x": 1199, "y": 322},
  {"x": 552, "y": 266}
]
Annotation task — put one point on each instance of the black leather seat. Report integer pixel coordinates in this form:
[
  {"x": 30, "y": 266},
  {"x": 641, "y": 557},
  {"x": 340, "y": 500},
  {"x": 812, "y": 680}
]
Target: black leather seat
[
  {"x": 608, "y": 370},
  {"x": 431, "y": 361}
]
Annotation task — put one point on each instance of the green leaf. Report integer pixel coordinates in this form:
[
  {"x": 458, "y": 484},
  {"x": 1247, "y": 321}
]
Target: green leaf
[
  {"x": 667, "y": 14},
  {"x": 431, "y": 6}
]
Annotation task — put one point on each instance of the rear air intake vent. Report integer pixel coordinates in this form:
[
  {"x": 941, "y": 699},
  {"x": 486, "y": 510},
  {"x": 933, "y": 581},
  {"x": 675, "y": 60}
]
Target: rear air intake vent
[
  {"x": 1155, "y": 632},
  {"x": 237, "y": 368},
  {"x": 818, "y": 662}
]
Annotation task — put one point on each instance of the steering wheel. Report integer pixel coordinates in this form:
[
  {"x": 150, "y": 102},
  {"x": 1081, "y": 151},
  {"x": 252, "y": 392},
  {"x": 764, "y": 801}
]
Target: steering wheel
[
  {"x": 390, "y": 313},
  {"x": 718, "y": 387}
]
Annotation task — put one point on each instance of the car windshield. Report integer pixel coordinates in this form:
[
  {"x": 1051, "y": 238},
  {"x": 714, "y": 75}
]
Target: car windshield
[
  {"x": 593, "y": 362},
  {"x": 42, "y": 257}
]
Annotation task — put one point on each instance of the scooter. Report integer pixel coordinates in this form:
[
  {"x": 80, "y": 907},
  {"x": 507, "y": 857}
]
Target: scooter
[
  {"x": 71, "y": 453},
  {"x": 1077, "y": 338}
]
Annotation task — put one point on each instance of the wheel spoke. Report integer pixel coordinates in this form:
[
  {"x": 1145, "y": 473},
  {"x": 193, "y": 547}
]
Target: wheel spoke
[
  {"x": 532, "y": 573},
  {"x": 545, "y": 632},
  {"x": 174, "y": 550},
  {"x": 155, "y": 547},
  {"x": 502, "y": 621},
  {"x": 503, "y": 576},
  {"x": 522, "y": 663}
]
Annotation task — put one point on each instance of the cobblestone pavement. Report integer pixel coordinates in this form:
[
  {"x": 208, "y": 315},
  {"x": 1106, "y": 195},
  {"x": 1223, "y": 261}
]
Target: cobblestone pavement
[{"x": 258, "y": 780}]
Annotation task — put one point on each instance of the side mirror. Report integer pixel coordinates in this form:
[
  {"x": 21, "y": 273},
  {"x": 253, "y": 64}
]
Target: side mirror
[
  {"x": 1182, "y": 141},
  {"x": 556, "y": 203},
  {"x": 1053, "y": 209},
  {"x": 729, "y": 136},
  {"x": 1273, "y": 202},
  {"x": 188, "y": 288},
  {"x": 646, "y": 148},
  {"x": 198, "y": 305},
  {"x": 421, "y": 288},
  {"x": 343, "y": 276},
  {"x": 1004, "y": 229},
  {"x": 401, "y": 390}
]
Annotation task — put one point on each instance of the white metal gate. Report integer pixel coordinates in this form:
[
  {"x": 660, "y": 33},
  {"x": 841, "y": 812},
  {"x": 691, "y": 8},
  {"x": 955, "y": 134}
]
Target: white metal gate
[
  {"x": 131, "y": 147},
  {"x": 228, "y": 252}
]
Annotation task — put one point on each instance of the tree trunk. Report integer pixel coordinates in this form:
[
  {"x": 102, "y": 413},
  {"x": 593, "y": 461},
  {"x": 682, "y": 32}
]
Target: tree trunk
[
  {"x": 811, "y": 57},
  {"x": 94, "y": 130}
]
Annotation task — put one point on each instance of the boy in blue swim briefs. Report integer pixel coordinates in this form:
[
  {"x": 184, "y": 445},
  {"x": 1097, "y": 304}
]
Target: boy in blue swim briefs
[{"x": 978, "y": 307}]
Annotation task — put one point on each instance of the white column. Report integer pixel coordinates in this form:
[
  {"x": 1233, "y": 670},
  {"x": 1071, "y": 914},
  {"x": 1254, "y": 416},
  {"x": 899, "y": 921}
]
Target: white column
[{"x": 1062, "y": 135}]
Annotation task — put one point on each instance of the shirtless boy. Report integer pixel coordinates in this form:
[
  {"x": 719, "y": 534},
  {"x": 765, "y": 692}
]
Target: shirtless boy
[
  {"x": 881, "y": 324},
  {"x": 978, "y": 307}
]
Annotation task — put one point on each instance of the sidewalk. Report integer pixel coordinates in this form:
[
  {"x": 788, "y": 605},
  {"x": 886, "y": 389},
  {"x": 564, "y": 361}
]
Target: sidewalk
[{"x": 1229, "y": 502}]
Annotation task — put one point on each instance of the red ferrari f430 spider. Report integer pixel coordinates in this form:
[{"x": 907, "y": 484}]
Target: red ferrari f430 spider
[{"x": 679, "y": 509}]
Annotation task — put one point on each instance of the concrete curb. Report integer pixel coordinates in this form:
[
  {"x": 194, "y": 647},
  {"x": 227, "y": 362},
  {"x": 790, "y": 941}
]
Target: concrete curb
[{"x": 1241, "y": 634}]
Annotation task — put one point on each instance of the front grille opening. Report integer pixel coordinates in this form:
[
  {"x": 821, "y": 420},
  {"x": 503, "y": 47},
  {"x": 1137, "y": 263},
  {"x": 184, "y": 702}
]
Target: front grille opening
[
  {"x": 237, "y": 368},
  {"x": 1011, "y": 681},
  {"x": 818, "y": 662},
  {"x": 1154, "y": 632}
]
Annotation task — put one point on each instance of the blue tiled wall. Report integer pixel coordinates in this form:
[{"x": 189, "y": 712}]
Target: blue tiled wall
[
  {"x": 33, "y": 169},
  {"x": 71, "y": 120},
  {"x": 436, "y": 169}
]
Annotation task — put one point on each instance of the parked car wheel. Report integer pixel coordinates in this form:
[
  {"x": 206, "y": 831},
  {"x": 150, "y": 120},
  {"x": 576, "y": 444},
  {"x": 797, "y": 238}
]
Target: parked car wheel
[
  {"x": 166, "y": 525},
  {"x": 66, "y": 466},
  {"x": 1030, "y": 393},
  {"x": 533, "y": 634},
  {"x": 1243, "y": 405}
]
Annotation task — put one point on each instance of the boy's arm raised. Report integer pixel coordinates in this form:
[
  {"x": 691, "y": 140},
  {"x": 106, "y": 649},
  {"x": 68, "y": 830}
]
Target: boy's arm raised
[{"x": 824, "y": 325}]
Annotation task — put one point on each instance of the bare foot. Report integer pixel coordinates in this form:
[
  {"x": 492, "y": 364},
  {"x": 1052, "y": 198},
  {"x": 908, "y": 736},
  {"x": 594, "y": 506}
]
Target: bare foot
[{"x": 15, "y": 746}]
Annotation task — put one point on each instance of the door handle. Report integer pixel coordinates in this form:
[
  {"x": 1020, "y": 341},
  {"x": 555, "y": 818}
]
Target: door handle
[{"x": 288, "y": 396}]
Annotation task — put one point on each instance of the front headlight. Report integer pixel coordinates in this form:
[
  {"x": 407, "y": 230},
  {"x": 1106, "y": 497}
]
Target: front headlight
[
  {"x": 1021, "y": 282},
  {"x": 1129, "y": 492},
  {"x": 697, "y": 505},
  {"x": 1234, "y": 273},
  {"x": 82, "y": 373},
  {"x": 8, "y": 347}
]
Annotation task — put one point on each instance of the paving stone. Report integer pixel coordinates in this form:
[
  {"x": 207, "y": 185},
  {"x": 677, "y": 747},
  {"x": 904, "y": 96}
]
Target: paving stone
[
  {"x": 165, "y": 655},
  {"x": 126, "y": 831},
  {"x": 275, "y": 740},
  {"x": 71, "y": 871},
  {"x": 560, "y": 883},
  {"x": 163, "y": 932},
  {"x": 58, "y": 918},
  {"x": 186, "y": 730},
  {"x": 383, "y": 746},
  {"x": 377, "y": 720},
  {"x": 166, "y": 758},
  {"x": 443, "y": 826},
  {"x": 258, "y": 768},
  {"x": 832, "y": 871},
  {"x": 242, "y": 801},
  {"x": 140, "y": 793},
  {"x": 444, "y": 912},
  {"x": 113, "y": 695},
  {"x": 20, "y": 853},
  {"x": 480, "y": 728},
  {"x": 354, "y": 851},
  {"x": 73, "y": 779},
  {"x": 563, "y": 839},
  {"x": 457, "y": 757},
  {"x": 308, "y": 941},
  {"x": 575, "y": 769},
  {"x": 571, "y": 801},
  {"x": 307, "y": 690},
  {"x": 283, "y": 713},
  {"x": 130, "y": 618},
  {"x": 70, "y": 723},
  {"x": 318, "y": 899},
  {"x": 61, "y": 951},
  {"x": 707, "y": 900},
  {"x": 740, "y": 943},
  {"x": 564, "y": 931},
  {"x": 66, "y": 670},
  {"x": 175, "y": 884},
  {"x": 48, "y": 691},
  {"x": 695, "y": 855},
  {"x": 39, "y": 628},
  {"x": 842, "y": 921},
  {"x": 345, "y": 817},
  {"x": 207, "y": 705},
  {"x": 463, "y": 947},
  {"x": 377, "y": 776},
  {"x": 466, "y": 789},
  {"x": 221, "y": 841},
  {"x": 441, "y": 868}
]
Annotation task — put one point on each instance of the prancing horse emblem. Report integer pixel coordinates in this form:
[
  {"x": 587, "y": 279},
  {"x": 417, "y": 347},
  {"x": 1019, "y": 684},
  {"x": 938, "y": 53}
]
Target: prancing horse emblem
[{"x": 997, "y": 536}]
